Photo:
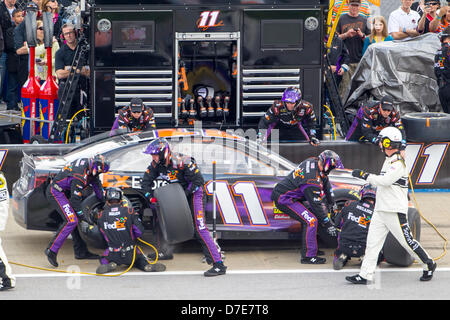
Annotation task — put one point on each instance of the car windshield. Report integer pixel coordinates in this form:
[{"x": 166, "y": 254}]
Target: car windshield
[{"x": 231, "y": 157}]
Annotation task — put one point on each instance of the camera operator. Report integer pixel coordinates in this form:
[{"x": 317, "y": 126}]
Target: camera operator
[{"x": 63, "y": 64}]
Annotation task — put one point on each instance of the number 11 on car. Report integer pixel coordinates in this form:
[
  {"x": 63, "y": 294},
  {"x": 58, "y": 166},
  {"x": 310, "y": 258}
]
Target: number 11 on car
[{"x": 226, "y": 202}]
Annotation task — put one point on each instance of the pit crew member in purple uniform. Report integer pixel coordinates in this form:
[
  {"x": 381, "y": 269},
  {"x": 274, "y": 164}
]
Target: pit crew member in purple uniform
[
  {"x": 65, "y": 194},
  {"x": 294, "y": 117},
  {"x": 391, "y": 209},
  {"x": 184, "y": 170},
  {"x": 121, "y": 226},
  {"x": 309, "y": 181},
  {"x": 353, "y": 220},
  {"x": 371, "y": 119},
  {"x": 135, "y": 117}
]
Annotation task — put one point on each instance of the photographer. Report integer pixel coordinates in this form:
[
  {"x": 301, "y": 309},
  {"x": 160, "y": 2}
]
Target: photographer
[{"x": 352, "y": 29}]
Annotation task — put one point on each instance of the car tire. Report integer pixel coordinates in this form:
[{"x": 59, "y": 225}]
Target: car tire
[
  {"x": 174, "y": 217},
  {"x": 93, "y": 237},
  {"x": 427, "y": 126},
  {"x": 38, "y": 140},
  {"x": 393, "y": 251}
]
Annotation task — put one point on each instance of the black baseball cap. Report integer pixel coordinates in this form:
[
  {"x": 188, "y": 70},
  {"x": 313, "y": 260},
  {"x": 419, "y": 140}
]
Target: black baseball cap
[
  {"x": 387, "y": 103},
  {"x": 136, "y": 105}
]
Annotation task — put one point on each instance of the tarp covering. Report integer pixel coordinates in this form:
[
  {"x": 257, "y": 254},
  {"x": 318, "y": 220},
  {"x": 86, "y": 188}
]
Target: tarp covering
[{"x": 402, "y": 69}]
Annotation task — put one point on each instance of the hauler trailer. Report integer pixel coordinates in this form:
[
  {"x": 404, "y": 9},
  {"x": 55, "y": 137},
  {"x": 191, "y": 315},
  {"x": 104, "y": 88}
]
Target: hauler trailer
[{"x": 215, "y": 61}]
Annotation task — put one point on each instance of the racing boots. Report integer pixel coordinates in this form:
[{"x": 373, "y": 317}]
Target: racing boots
[
  {"x": 162, "y": 255},
  {"x": 51, "y": 256},
  {"x": 157, "y": 267},
  {"x": 218, "y": 269},
  {"x": 6, "y": 284},
  {"x": 356, "y": 279},
  {"x": 105, "y": 268},
  {"x": 428, "y": 274},
  {"x": 313, "y": 260},
  {"x": 340, "y": 261}
]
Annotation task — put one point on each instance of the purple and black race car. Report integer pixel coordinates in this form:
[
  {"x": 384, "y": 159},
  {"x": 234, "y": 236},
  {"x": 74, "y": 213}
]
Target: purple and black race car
[{"x": 245, "y": 176}]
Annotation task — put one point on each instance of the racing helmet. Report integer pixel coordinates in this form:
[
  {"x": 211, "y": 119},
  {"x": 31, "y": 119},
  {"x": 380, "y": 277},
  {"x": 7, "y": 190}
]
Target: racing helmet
[
  {"x": 390, "y": 138},
  {"x": 98, "y": 164},
  {"x": 330, "y": 160},
  {"x": 368, "y": 191},
  {"x": 159, "y": 147},
  {"x": 113, "y": 194},
  {"x": 292, "y": 95}
]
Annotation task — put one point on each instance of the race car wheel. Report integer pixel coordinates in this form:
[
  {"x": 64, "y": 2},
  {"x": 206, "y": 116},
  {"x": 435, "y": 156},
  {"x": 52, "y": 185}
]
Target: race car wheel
[
  {"x": 393, "y": 252},
  {"x": 427, "y": 126},
  {"x": 174, "y": 214},
  {"x": 91, "y": 206}
]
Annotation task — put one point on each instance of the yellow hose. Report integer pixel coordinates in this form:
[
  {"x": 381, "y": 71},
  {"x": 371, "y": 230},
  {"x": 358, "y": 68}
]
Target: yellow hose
[
  {"x": 70, "y": 123},
  {"x": 332, "y": 120}
]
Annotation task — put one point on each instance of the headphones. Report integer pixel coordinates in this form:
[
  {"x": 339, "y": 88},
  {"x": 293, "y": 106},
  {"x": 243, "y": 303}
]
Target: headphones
[{"x": 68, "y": 25}]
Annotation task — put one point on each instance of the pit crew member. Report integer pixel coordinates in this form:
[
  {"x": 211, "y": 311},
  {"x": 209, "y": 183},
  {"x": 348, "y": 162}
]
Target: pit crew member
[
  {"x": 391, "y": 208},
  {"x": 65, "y": 194},
  {"x": 134, "y": 117},
  {"x": 8, "y": 279},
  {"x": 121, "y": 227},
  {"x": 371, "y": 119},
  {"x": 353, "y": 221},
  {"x": 177, "y": 168},
  {"x": 294, "y": 117},
  {"x": 309, "y": 181}
]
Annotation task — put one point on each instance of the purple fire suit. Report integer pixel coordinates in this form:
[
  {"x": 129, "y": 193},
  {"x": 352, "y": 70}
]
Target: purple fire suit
[
  {"x": 65, "y": 194},
  {"x": 305, "y": 183}
]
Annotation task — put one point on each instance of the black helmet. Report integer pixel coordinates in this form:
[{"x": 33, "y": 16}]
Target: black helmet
[
  {"x": 368, "y": 191},
  {"x": 113, "y": 194}
]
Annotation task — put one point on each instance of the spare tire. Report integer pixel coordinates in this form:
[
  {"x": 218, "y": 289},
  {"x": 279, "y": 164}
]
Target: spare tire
[
  {"x": 174, "y": 213},
  {"x": 427, "y": 126},
  {"x": 393, "y": 251}
]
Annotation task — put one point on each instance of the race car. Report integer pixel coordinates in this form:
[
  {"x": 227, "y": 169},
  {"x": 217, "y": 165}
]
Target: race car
[{"x": 245, "y": 174}]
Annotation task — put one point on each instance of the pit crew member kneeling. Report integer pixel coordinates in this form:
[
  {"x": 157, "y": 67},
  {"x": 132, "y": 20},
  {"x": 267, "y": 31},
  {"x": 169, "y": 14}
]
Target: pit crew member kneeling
[
  {"x": 135, "y": 117},
  {"x": 391, "y": 209},
  {"x": 371, "y": 119},
  {"x": 294, "y": 117},
  {"x": 308, "y": 182},
  {"x": 65, "y": 194},
  {"x": 121, "y": 227},
  {"x": 184, "y": 170},
  {"x": 353, "y": 221}
]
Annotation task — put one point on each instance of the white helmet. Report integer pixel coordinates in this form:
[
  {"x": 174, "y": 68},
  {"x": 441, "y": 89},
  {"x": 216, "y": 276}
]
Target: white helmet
[{"x": 390, "y": 138}]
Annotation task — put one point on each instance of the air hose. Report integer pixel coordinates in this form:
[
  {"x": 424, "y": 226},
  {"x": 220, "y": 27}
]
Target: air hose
[{"x": 96, "y": 274}]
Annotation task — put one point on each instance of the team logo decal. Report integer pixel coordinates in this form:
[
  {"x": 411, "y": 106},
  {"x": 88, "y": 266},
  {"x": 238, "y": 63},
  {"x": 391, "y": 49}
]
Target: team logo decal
[{"x": 209, "y": 19}]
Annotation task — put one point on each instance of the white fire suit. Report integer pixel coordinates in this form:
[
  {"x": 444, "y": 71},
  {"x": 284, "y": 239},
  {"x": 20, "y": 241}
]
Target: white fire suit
[
  {"x": 5, "y": 269},
  {"x": 390, "y": 214}
]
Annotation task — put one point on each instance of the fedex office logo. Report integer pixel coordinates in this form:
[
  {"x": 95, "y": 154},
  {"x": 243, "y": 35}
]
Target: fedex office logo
[{"x": 208, "y": 19}]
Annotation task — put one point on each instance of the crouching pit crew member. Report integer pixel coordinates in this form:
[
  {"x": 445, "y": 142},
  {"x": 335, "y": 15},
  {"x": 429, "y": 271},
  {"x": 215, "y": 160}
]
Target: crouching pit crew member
[
  {"x": 135, "y": 117},
  {"x": 294, "y": 117},
  {"x": 8, "y": 281},
  {"x": 371, "y": 119},
  {"x": 391, "y": 209},
  {"x": 309, "y": 181},
  {"x": 121, "y": 227},
  {"x": 353, "y": 221},
  {"x": 184, "y": 170},
  {"x": 65, "y": 194}
]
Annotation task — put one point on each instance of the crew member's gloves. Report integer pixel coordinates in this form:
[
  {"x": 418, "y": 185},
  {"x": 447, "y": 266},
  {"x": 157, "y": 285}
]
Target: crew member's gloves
[
  {"x": 331, "y": 229},
  {"x": 314, "y": 141},
  {"x": 86, "y": 227},
  {"x": 403, "y": 146},
  {"x": 357, "y": 173},
  {"x": 153, "y": 200},
  {"x": 375, "y": 140}
]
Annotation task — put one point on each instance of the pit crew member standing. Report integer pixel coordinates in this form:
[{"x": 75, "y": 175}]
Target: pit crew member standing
[
  {"x": 8, "y": 280},
  {"x": 371, "y": 119},
  {"x": 309, "y": 181},
  {"x": 294, "y": 117},
  {"x": 181, "y": 169},
  {"x": 391, "y": 210},
  {"x": 353, "y": 221},
  {"x": 65, "y": 193},
  {"x": 135, "y": 117},
  {"x": 121, "y": 227},
  {"x": 442, "y": 70}
]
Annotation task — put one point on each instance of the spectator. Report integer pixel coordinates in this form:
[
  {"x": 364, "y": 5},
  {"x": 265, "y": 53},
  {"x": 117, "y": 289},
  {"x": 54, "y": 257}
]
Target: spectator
[
  {"x": 403, "y": 22},
  {"x": 352, "y": 28},
  {"x": 338, "y": 58},
  {"x": 442, "y": 20},
  {"x": 364, "y": 10},
  {"x": 442, "y": 70},
  {"x": 419, "y": 6},
  {"x": 431, "y": 7},
  {"x": 379, "y": 33},
  {"x": 53, "y": 7},
  {"x": 12, "y": 62},
  {"x": 6, "y": 21},
  {"x": 41, "y": 54}
]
